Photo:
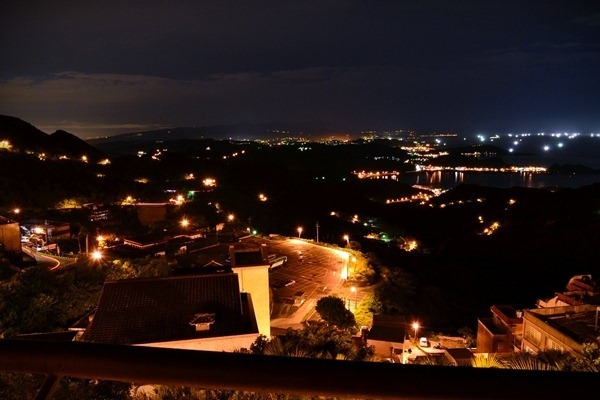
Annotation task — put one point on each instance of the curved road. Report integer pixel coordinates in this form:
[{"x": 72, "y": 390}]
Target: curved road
[
  {"x": 311, "y": 272},
  {"x": 42, "y": 259}
]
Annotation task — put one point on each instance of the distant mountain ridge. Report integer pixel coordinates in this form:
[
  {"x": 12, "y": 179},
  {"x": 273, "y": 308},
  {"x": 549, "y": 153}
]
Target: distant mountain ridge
[
  {"x": 242, "y": 131},
  {"x": 24, "y": 137}
]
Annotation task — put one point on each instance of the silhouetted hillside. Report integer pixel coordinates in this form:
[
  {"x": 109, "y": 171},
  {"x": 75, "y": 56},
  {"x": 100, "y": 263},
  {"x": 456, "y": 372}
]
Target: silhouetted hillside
[
  {"x": 24, "y": 137},
  {"x": 223, "y": 132}
]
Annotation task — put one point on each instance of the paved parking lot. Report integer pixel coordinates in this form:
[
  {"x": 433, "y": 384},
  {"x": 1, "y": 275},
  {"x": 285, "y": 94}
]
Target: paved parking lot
[
  {"x": 311, "y": 272},
  {"x": 312, "y": 267}
]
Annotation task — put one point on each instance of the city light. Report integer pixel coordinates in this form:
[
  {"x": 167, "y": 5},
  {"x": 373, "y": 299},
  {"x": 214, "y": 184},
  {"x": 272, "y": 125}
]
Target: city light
[
  {"x": 262, "y": 197},
  {"x": 96, "y": 255},
  {"x": 415, "y": 326},
  {"x": 128, "y": 200},
  {"x": 230, "y": 217},
  {"x": 347, "y": 239},
  {"x": 299, "y": 232},
  {"x": 412, "y": 245},
  {"x": 184, "y": 223},
  {"x": 209, "y": 182}
]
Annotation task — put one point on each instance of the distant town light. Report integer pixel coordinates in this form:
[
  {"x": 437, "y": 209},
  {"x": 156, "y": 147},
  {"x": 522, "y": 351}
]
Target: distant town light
[{"x": 209, "y": 182}]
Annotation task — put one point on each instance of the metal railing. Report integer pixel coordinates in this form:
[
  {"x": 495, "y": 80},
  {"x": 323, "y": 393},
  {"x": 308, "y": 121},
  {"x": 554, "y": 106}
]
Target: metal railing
[{"x": 274, "y": 374}]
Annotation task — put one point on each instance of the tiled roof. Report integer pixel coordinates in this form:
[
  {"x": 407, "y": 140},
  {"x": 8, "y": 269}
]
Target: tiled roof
[
  {"x": 388, "y": 328},
  {"x": 160, "y": 309},
  {"x": 248, "y": 258},
  {"x": 460, "y": 353}
]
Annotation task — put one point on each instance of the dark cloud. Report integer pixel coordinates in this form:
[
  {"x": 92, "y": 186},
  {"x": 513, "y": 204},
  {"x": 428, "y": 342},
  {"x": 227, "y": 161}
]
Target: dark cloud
[{"x": 421, "y": 65}]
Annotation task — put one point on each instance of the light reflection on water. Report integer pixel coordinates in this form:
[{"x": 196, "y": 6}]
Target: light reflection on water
[{"x": 450, "y": 179}]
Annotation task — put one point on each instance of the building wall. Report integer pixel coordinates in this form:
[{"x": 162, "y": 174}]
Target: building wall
[
  {"x": 222, "y": 343},
  {"x": 383, "y": 348},
  {"x": 148, "y": 214},
  {"x": 255, "y": 280},
  {"x": 10, "y": 237},
  {"x": 489, "y": 342},
  {"x": 539, "y": 336}
]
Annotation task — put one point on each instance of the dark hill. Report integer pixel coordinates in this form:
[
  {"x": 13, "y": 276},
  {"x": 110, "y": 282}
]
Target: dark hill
[
  {"x": 25, "y": 137},
  {"x": 241, "y": 131}
]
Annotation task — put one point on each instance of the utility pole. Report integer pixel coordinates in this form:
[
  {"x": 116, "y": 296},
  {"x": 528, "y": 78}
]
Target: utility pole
[
  {"x": 250, "y": 224},
  {"x": 317, "y": 231}
]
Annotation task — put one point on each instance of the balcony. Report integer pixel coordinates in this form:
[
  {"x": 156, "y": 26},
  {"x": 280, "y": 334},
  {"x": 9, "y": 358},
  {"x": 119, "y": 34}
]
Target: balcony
[{"x": 273, "y": 374}]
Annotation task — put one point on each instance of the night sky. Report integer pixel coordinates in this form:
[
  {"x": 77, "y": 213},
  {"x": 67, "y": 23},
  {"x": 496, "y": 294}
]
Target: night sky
[{"x": 101, "y": 67}]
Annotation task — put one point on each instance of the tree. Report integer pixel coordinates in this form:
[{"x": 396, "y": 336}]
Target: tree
[
  {"x": 317, "y": 340},
  {"x": 591, "y": 357},
  {"x": 396, "y": 293},
  {"x": 334, "y": 312},
  {"x": 469, "y": 336}
]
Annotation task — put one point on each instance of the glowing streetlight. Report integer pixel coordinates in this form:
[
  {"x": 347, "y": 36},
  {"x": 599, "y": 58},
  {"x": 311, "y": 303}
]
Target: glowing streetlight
[
  {"x": 230, "y": 217},
  {"x": 17, "y": 211},
  {"x": 299, "y": 232},
  {"x": 184, "y": 223},
  {"x": 415, "y": 326},
  {"x": 97, "y": 255},
  {"x": 347, "y": 239}
]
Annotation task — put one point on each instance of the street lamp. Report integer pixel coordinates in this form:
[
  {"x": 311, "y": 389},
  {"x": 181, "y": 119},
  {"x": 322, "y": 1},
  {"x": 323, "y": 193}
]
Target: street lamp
[
  {"x": 184, "y": 223},
  {"x": 299, "y": 232},
  {"x": 230, "y": 217},
  {"x": 347, "y": 239},
  {"x": 353, "y": 290},
  {"x": 96, "y": 255},
  {"x": 415, "y": 326}
]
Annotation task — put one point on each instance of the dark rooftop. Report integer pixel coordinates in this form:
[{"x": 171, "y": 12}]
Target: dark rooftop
[
  {"x": 160, "y": 309},
  {"x": 576, "y": 322},
  {"x": 390, "y": 328},
  {"x": 460, "y": 353},
  {"x": 492, "y": 326}
]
